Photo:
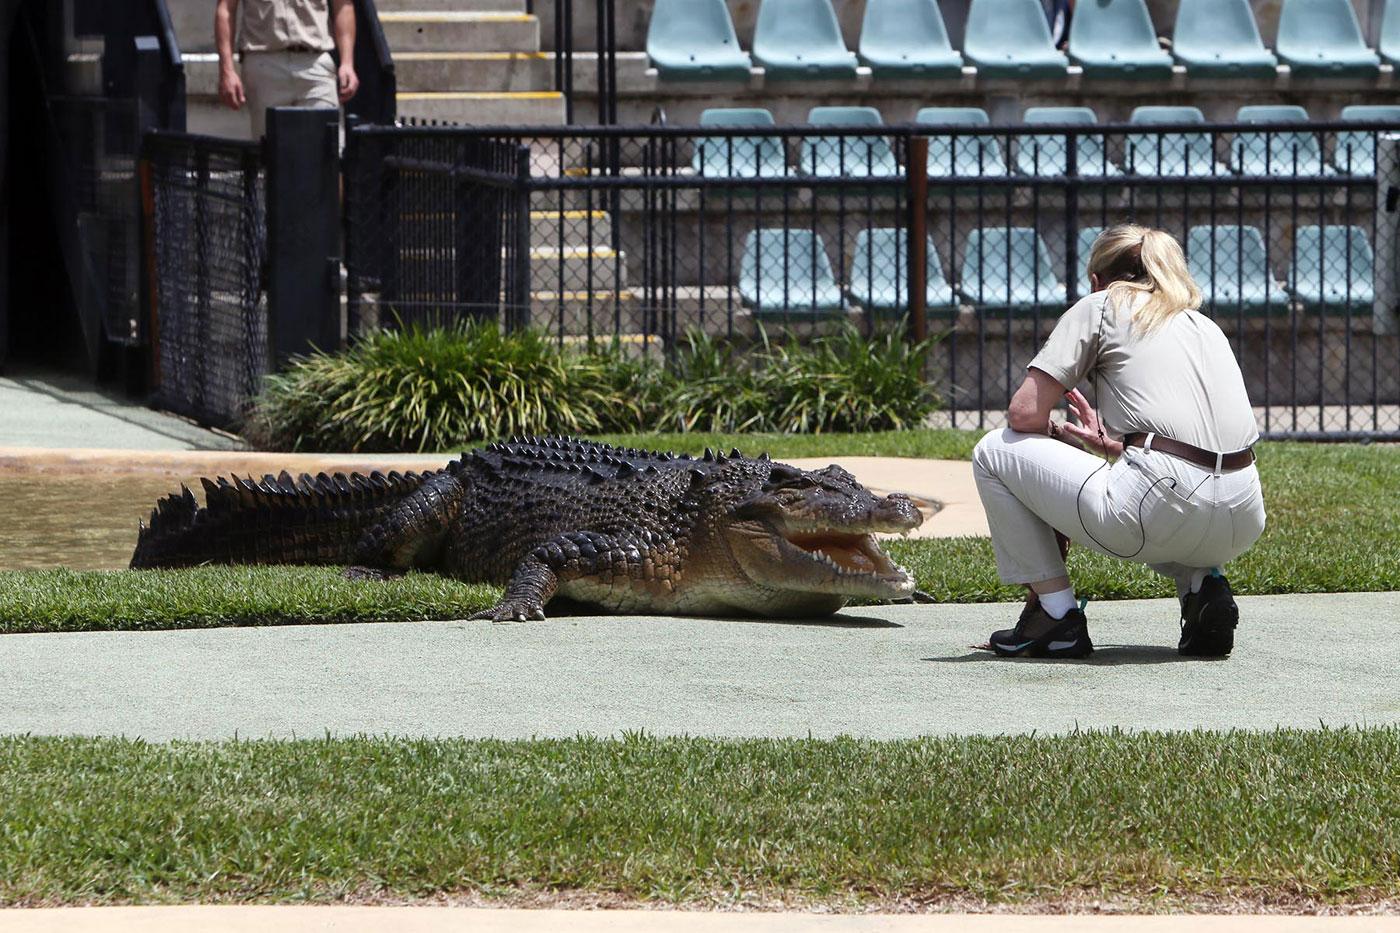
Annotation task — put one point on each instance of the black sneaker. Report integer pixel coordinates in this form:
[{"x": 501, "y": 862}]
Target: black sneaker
[
  {"x": 1037, "y": 635},
  {"x": 1208, "y": 620}
]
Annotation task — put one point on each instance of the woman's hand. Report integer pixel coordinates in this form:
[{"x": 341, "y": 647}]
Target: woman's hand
[{"x": 1089, "y": 431}]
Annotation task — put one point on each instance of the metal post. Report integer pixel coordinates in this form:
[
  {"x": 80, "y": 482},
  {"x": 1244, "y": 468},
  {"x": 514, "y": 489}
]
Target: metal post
[
  {"x": 1071, "y": 221},
  {"x": 917, "y": 174},
  {"x": 303, "y": 231},
  {"x": 520, "y": 316}
]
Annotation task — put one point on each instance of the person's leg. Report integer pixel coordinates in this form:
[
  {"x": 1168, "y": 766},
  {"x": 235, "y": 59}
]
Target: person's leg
[{"x": 268, "y": 82}]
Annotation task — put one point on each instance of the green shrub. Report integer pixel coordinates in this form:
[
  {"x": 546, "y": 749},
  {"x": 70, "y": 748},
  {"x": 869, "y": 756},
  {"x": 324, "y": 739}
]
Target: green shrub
[
  {"x": 838, "y": 383},
  {"x": 438, "y": 389},
  {"x": 444, "y": 388}
]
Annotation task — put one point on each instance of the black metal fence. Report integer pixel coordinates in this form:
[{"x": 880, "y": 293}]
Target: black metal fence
[
  {"x": 981, "y": 234},
  {"x": 204, "y": 200}
]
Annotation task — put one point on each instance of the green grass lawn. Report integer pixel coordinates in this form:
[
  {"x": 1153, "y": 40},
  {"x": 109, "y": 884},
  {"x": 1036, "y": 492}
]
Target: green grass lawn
[
  {"x": 1333, "y": 511},
  {"x": 1272, "y": 817}
]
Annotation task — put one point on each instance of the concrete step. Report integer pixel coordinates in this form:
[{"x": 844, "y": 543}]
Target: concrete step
[
  {"x": 474, "y": 71},
  {"x": 429, "y": 31},
  {"x": 547, "y": 228},
  {"x": 485, "y": 108},
  {"x": 568, "y": 270},
  {"x": 457, "y": 6}
]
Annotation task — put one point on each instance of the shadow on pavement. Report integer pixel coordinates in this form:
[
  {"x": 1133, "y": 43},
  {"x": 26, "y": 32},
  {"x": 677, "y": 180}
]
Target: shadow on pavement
[{"x": 1103, "y": 656}]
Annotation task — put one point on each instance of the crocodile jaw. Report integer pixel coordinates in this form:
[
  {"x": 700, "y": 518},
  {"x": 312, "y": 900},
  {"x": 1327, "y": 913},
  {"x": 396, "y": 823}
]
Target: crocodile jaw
[{"x": 843, "y": 563}]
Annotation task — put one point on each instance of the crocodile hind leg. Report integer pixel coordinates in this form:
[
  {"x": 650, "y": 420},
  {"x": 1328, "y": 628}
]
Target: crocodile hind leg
[
  {"x": 412, "y": 534},
  {"x": 570, "y": 556}
]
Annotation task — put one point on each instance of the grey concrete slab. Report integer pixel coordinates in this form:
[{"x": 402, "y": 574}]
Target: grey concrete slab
[
  {"x": 41, "y": 408},
  {"x": 879, "y": 672}
]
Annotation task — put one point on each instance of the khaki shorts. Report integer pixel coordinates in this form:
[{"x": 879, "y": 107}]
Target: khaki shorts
[{"x": 287, "y": 79}]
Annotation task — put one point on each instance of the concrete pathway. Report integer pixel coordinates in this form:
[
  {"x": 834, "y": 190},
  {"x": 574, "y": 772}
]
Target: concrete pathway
[
  {"x": 880, "y": 672},
  {"x": 478, "y": 920},
  {"x": 43, "y": 408}
]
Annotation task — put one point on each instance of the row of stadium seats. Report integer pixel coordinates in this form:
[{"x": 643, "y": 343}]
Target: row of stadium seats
[
  {"x": 1281, "y": 153},
  {"x": 788, "y": 272},
  {"x": 795, "y": 39}
]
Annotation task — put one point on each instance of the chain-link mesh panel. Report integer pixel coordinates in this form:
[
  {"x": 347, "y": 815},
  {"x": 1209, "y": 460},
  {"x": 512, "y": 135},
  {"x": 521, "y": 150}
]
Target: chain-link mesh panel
[
  {"x": 209, "y": 239},
  {"x": 433, "y": 228}
]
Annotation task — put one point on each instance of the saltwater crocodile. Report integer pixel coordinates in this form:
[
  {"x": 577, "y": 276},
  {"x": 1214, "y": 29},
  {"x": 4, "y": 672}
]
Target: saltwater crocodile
[{"x": 625, "y": 530}]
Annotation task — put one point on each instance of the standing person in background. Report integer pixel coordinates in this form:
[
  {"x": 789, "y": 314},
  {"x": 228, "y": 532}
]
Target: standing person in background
[
  {"x": 1059, "y": 13},
  {"x": 286, "y": 48}
]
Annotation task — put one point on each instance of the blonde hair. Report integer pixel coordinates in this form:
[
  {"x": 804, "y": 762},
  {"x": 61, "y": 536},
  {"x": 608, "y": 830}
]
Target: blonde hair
[{"x": 1133, "y": 260}]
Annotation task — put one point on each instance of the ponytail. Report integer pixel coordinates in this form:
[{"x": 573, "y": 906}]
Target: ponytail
[{"x": 1140, "y": 260}]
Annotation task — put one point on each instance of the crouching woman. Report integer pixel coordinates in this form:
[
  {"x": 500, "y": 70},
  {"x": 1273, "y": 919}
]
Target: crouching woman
[{"x": 1174, "y": 485}]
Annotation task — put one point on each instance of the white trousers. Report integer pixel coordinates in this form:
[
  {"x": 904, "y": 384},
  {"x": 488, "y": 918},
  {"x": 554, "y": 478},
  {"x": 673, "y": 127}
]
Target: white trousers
[
  {"x": 287, "y": 79},
  {"x": 1148, "y": 507}
]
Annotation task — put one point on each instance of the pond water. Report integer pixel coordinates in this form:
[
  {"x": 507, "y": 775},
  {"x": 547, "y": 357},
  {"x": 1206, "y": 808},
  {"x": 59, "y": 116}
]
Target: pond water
[{"x": 87, "y": 522}]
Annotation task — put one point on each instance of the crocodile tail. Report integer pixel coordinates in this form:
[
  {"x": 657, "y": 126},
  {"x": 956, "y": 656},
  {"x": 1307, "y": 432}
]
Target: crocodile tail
[{"x": 278, "y": 520}]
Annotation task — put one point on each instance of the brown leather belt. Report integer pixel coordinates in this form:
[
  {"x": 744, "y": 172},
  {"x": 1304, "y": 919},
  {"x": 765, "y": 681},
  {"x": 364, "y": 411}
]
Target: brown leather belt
[{"x": 1190, "y": 452}]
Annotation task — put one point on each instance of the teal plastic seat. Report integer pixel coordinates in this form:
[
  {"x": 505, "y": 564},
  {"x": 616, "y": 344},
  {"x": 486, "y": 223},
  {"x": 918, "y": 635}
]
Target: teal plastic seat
[
  {"x": 1190, "y": 155},
  {"x": 796, "y": 39},
  {"x": 847, "y": 156},
  {"x": 1355, "y": 152},
  {"x": 1278, "y": 153},
  {"x": 1333, "y": 267},
  {"x": 741, "y": 156},
  {"x": 1085, "y": 244},
  {"x": 1009, "y": 268},
  {"x": 1231, "y": 265},
  {"x": 1011, "y": 39},
  {"x": 907, "y": 39},
  {"x": 694, "y": 40},
  {"x": 1115, "y": 39},
  {"x": 1321, "y": 38},
  {"x": 1049, "y": 155},
  {"x": 787, "y": 272},
  {"x": 1389, "y": 44},
  {"x": 961, "y": 156},
  {"x": 880, "y": 273},
  {"x": 1219, "y": 38}
]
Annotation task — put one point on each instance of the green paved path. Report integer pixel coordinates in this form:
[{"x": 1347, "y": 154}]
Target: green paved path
[{"x": 886, "y": 672}]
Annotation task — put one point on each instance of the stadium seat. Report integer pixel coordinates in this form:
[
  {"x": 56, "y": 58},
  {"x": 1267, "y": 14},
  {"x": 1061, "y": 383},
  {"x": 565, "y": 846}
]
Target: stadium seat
[
  {"x": 1011, "y": 39},
  {"x": 1219, "y": 38},
  {"x": 847, "y": 156},
  {"x": 970, "y": 156},
  {"x": 1389, "y": 45},
  {"x": 1175, "y": 154},
  {"x": 907, "y": 39},
  {"x": 1355, "y": 152},
  {"x": 1115, "y": 39},
  {"x": 1277, "y": 153},
  {"x": 1319, "y": 38},
  {"x": 694, "y": 40},
  {"x": 1085, "y": 244},
  {"x": 743, "y": 156},
  {"x": 1323, "y": 274},
  {"x": 880, "y": 273},
  {"x": 796, "y": 39},
  {"x": 787, "y": 272},
  {"x": 1009, "y": 268},
  {"x": 1231, "y": 265},
  {"x": 1048, "y": 155}
]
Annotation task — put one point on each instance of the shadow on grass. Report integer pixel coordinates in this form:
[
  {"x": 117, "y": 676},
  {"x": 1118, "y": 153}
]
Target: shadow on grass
[{"x": 1103, "y": 656}]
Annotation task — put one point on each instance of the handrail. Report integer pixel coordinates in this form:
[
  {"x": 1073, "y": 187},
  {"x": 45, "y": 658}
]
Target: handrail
[{"x": 377, "y": 99}]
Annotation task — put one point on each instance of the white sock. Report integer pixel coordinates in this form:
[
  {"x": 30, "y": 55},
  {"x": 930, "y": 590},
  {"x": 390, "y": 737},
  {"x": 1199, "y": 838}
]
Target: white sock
[
  {"x": 1197, "y": 578},
  {"x": 1059, "y": 603}
]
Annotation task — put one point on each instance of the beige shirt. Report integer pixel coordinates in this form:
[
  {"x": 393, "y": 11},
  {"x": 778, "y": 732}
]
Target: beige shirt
[
  {"x": 276, "y": 25},
  {"x": 1181, "y": 380}
]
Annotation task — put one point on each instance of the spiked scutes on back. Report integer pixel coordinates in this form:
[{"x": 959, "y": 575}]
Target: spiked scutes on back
[
  {"x": 275, "y": 520},
  {"x": 623, "y": 529}
]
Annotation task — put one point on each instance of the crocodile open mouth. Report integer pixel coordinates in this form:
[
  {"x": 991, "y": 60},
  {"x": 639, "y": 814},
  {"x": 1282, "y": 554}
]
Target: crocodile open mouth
[{"x": 846, "y": 553}]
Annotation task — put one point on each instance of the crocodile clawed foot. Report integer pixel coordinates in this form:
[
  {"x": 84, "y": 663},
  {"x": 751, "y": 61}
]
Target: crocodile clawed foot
[{"x": 512, "y": 610}]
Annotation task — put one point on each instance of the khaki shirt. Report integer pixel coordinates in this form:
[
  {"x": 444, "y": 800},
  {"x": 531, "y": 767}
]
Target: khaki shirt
[
  {"x": 1181, "y": 380},
  {"x": 276, "y": 25}
]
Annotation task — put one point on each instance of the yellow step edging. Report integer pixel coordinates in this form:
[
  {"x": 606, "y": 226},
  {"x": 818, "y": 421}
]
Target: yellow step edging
[
  {"x": 479, "y": 95},
  {"x": 467, "y": 56},
  {"x": 454, "y": 17}
]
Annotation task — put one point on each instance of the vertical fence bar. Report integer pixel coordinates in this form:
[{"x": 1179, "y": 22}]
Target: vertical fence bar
[{"x": 916, "y": 175}]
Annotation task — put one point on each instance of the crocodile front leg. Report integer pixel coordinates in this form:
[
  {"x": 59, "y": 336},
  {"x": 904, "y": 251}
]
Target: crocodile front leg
[{"x": 570, "y": 556}]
